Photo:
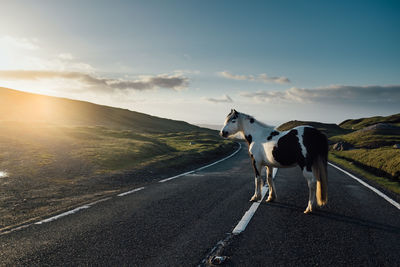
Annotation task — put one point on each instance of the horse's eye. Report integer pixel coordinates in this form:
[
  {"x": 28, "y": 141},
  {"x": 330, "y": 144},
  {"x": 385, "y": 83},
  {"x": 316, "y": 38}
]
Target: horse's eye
[{"x": 233, "y": 121}]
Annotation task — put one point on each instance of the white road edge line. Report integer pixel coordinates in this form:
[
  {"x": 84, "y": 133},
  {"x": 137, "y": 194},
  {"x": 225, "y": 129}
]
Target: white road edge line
[
  {"x": 379, "y": 193},
  {"x": 63, "y": 214},
  {"x": 131, "y": 191},
  {"x": 56, "y": 217},
  {"x": 201, "y": 168},
  {"x": 241, "y": 226}
]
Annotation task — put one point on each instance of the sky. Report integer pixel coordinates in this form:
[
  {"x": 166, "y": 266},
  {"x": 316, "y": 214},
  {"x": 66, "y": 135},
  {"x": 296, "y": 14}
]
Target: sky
[{"x": 195, "y": 60}]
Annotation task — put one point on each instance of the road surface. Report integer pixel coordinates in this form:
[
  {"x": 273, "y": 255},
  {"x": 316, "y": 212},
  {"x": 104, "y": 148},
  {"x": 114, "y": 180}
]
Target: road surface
[{"x": 178, "y": 222}]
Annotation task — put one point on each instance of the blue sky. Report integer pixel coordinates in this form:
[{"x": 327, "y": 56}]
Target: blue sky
[{"x": 194, "y": 60}]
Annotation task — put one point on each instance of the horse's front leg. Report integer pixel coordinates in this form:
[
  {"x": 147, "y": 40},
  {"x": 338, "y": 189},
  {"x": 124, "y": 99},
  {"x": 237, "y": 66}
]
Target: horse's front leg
[
  {"x": 271, "y": 185},
  {"x": 258, "y": 182}
]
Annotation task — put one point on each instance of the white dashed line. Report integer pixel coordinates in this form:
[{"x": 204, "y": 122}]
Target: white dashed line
[
  {"x": 388, "y": 199},
  {"x": 241, "y": 226},
  {"x": 63, "y": 214},
  {"x": 131, "y": 191}
]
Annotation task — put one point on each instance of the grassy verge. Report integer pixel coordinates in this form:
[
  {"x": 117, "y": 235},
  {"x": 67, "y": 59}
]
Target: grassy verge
[
  {"x": 356, "y": 167},
  {"x": 51, "y": 168},
  {"x": 370, "y": 139}
]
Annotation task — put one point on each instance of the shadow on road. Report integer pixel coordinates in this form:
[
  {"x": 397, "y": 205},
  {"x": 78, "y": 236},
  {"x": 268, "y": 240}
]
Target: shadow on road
[{"x": 339, "y": 217}]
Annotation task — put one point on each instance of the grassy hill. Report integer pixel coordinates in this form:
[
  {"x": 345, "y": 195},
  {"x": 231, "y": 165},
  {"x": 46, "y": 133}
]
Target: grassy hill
[
  {"x": 58, "y": 153},
  {"x": 357, "y": 124},
  {"x": 20, "y": 106},
  {"x": 330, "y": 129}
]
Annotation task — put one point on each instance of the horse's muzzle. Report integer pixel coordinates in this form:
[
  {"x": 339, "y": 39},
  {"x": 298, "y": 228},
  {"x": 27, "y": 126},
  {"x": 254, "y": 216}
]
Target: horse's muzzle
[{"x": 223, "y": 134}]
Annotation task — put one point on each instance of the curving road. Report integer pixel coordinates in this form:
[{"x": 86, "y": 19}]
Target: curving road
[{"x": 178, "y": 222}]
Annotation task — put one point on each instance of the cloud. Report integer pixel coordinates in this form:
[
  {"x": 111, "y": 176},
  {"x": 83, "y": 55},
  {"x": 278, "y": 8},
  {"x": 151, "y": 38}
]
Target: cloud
[
  {"x": 263, "y": 77},
  {"x": 168, "y": 81},
  {"x": 369, "y": 94},
  {"x": 66, "y": 56},
  {"x": 223, "y": 99},
  {"x": 24, "y": 43}
]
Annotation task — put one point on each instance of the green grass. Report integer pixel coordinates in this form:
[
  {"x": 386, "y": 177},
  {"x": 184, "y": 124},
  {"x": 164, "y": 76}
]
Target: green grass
[
  {"x": 383, "y": 161},
  {"x": 351, "y": 165},
  {"x": 357, "y": 124},
  {"x": 370, "y": 138}
]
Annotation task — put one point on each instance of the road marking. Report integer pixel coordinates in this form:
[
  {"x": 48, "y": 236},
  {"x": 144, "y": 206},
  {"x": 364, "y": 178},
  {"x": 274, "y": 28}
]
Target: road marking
[
  {"x": 388, "y": 199},
  {"x": 63, "y": 214},
  {"x": 98, "y": 201},
  {"x": 201, "y": 168},
  {"x": 131, "y": 191},
  {"x": 241, "y": 226}
]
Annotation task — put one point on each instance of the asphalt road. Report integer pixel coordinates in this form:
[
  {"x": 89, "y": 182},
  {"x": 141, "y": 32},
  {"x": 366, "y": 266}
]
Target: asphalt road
[{"x": 176, "y": 223}]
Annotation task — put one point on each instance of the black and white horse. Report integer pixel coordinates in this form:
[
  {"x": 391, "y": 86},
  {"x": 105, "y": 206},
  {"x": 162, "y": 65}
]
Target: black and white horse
[{"x": 302, "y": 146}]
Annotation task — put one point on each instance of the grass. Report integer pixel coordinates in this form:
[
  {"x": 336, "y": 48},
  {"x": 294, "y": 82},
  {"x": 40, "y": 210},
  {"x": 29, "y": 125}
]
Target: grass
[
  {"x": 348, "y": 163},
  {"x": 364, "y": 122},
  {"x": 384, "y": 161},
  {"x": 370, "y": 138},
  {"x": 52, "y": 167}
]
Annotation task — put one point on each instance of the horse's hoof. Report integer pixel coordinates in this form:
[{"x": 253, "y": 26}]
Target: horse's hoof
[
  {"x": 308, "y": 211},
  {"x": 254, "y": 199},
  {"x": 270, "y": 199}
]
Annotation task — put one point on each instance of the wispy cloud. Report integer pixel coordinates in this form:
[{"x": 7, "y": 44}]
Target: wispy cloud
[
  {"x": 24, "y": 43},
  {"x": 223, "y": 99},
  {"x": 332, "y": 94},
  {"x": 168, "y": 81},
  {"x": 66, "y": 56},
  {"x": 263, "y": 77}
]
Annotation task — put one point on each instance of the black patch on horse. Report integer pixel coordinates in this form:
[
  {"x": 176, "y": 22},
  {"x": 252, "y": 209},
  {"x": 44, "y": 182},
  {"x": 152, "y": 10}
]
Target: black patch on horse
[
  {"x": 249, "y": 139},
  {"x": 233, "y": 115},
  {"x": 316, "y": 144},
  {"x": 251, "y": 120},
  {"x": 288, "y": 150},
  {"x": 272, "y": 134},
  {"x": 254, "y": 166}
]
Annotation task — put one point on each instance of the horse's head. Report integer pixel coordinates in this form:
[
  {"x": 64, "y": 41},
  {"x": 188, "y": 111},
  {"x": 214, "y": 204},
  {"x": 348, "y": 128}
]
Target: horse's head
[{"x": 231, "y": 125}]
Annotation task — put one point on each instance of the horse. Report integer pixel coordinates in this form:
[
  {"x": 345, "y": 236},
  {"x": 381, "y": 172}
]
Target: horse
[{"x": 302, "y": 146}]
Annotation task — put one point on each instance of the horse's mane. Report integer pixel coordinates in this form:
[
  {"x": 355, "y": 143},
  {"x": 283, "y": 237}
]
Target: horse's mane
[{"x": 256, "y": 121}]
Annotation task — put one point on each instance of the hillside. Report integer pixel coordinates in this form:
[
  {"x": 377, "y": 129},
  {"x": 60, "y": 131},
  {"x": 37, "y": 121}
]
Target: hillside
[
  {"x": 330, "y": 129},
  {"x": 357, "y": 124},
  {"x": 27, "y": 107},
  {"x": 56, "y": 153}
]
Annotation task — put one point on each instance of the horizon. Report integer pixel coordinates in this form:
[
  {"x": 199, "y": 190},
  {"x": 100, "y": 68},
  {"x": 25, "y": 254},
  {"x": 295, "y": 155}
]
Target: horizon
[{"x": 278, "y": 61}]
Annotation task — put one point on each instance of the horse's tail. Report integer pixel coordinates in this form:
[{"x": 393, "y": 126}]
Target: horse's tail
[{"x": 320, "y": 170}]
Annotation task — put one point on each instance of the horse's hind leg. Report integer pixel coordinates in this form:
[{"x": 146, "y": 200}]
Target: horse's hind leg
[
  {"x": 271, "y": 185},
  {"x": 312, "y": 184}
]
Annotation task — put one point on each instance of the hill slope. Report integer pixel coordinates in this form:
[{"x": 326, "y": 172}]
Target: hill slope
[
  {"x": 356, "y": 124},
  {"x": 27, "y": 107},
  {"x": 57, "y": 153},
  {"x": 329, "y": 129}
]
